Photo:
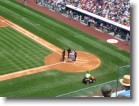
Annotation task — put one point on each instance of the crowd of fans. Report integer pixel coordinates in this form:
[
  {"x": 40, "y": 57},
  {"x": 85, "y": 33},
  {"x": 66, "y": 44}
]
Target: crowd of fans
[{"x": 115, "y": 10}]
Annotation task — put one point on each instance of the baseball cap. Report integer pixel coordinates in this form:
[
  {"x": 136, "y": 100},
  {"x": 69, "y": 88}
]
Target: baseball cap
[{"x": 106, "y": 88}]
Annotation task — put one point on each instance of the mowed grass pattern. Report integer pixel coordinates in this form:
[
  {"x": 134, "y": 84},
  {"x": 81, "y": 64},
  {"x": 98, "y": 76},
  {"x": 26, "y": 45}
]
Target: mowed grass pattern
[
  {"x": 17, "y": 52},
  {"x": 52, "y": 83},
  {"x": 45, "y": 84}
]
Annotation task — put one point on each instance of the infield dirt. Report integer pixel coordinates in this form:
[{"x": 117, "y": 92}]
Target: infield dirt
[{"x": 84, "y": 62}]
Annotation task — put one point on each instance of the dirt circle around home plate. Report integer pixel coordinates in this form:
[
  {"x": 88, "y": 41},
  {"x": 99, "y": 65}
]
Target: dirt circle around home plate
[{"x": 85, "y": 61}]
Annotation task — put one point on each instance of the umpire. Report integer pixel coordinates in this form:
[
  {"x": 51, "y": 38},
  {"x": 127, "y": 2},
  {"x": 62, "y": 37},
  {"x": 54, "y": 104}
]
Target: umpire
[
  {"x": 69, "y": 50},
  {"x": 63, "y": 55},
  {"x": 75, "y": 53}
]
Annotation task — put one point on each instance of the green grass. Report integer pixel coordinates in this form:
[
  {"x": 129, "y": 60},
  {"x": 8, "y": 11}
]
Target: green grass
[
  {"x": 17, "y": 52},
  {"x": 51, "y": 83},
  {"x": 63, "y": 36},
  {"x": 45, "y": 84}
]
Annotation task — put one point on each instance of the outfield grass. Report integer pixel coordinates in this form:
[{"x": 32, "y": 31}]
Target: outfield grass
[
  {"x": 63, "y": 36},
  {"x": 18, "y": 52},
  {"x": 45, "y": 84}
]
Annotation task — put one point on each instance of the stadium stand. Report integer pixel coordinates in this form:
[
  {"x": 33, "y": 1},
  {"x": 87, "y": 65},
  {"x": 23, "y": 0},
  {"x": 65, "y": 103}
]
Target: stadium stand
[
  {"x": 106, "y": 15},
  {"x": 115, "y": 10}
]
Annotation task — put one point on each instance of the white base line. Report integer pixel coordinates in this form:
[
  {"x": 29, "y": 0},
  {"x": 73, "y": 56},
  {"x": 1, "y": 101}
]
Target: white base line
[
  {"x": 33, "y": 36},
  {"x": 30, "y": 69},
  {"x": 2, "y": 21}
]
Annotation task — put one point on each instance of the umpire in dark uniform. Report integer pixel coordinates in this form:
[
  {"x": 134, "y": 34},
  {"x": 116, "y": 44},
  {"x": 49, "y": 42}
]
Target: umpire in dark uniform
[
  {"x": 75, "y": 53},
  {"x": 69, "y": 50},
  {"x": 63, "y": 55}
]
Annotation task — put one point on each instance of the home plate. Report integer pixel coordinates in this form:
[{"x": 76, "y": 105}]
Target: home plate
[{"x": 112, "y": 41}]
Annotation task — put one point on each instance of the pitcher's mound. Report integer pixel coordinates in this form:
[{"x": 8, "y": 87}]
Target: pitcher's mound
[{"x": 84, "y": 62}]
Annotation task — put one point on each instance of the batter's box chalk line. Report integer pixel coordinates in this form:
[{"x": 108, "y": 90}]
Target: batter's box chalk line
[{"x": 82, "y": 60}]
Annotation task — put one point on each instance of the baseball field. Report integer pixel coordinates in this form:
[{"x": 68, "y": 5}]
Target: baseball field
[{"x": 31, "y": 44}]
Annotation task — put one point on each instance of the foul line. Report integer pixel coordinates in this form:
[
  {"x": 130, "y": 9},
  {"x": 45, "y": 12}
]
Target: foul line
[
  {"x": 40, "y": 41},
  {"x": 30, "y": 35},
  {"x": 30, "y": 71},
  {"x": 35, "y": 38}
]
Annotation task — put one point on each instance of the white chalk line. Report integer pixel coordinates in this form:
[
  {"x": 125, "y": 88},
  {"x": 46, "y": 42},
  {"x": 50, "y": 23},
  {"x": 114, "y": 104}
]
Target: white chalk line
[
  {"x": 30, "y": 69},
  {"x": 82, "y": 60},
  {"x": 32, "y": 36},
  {"x": 76, "y": 60},
  {"x": 2, "y": 20},
  {"x": 69, "y": 62}
]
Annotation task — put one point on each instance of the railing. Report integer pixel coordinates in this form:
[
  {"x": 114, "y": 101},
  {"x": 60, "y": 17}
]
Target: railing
[
  {"x": 96, "y": 89},
  {"x": 98, "y": 17},
  {"x": 89, "y": 91}
]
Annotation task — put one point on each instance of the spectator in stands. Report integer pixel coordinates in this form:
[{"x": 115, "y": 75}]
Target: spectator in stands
[
  {"x": 101, "y": 26},
  {"x": 126, "y": 86},
  {"x": 106, "y": 28},
  {"x": 110, "y": 28},
  {"x": 71, "y": 14},
  {"x": 115, "y": 10},
  {"x": 128, "y": 38},
  {"x": 77, "y": 17},
  {"x": 115, "y": 31},
  {"x": 86, "y": 19},
  {"x": 24, "y": 1},
  {"x": 118, "y": 11},
  {"x": 106, "y": 90},
  {"x": 89, "y": 22}
]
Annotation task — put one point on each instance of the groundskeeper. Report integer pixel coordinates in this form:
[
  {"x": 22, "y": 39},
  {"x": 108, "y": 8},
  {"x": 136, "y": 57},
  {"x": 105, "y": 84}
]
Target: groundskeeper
[{"x": 88, "y": 75}]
